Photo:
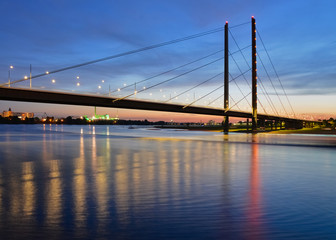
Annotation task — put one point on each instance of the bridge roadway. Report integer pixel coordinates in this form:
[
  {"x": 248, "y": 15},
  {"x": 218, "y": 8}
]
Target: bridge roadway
[{"x": 43, "y": 96}]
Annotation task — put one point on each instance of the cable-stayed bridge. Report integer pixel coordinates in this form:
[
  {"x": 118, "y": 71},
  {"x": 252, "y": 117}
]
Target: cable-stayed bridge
[{"x": 220, "y": 83}]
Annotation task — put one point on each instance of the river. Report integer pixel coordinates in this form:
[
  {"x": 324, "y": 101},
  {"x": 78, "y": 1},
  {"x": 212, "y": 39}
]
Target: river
[{"x": 116, "y": 182}]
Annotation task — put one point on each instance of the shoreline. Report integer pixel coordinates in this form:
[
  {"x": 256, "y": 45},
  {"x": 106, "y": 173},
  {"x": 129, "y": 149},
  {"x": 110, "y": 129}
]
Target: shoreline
[
  {"x": 317, "y": 131},
  {"x": 314, "y": 131}
]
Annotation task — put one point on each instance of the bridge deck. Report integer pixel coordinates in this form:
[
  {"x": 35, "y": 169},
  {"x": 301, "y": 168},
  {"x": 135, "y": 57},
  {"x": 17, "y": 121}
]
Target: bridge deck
[{"x": 42, "y": 96}]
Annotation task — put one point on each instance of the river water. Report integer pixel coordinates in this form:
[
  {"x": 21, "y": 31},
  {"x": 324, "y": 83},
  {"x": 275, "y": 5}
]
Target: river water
[{"x": 116, "y": 182}]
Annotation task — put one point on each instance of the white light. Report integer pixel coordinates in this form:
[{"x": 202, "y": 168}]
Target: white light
[
  {"x": 118, "y": 89},
  {"x": 53, "y": 81},
  {"x": 99, "y": 87},
  {"x": 125, "y": 84},
  {"x": 103, "y": 81},
  {"x": 77, "y": 77},
  {"x": 144, "y": 87},
  {"x": 78, "y": 84},
  {"x": 25, "y": 77},
  {"x": 11, "y": 67},
  {"x": 47, "y": 72}
]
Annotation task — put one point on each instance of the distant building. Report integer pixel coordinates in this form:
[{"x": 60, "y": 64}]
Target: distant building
[
  {"x": 100, "y": 117},
  {"x": 21, "y": 115}
]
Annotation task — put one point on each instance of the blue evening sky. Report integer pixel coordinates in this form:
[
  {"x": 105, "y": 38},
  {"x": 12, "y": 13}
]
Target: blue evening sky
[{"x": 300, "y": 36}]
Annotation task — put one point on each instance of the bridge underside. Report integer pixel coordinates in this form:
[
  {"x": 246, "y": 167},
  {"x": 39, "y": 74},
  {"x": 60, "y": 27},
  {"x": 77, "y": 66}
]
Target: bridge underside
[{"x": 28, "y": 95}]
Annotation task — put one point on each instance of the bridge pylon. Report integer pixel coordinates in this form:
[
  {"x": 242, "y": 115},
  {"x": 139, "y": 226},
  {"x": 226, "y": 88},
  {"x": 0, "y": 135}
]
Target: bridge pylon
[
  {"x": 226, "y": 77},
  {"x": 254, "y": 77}
]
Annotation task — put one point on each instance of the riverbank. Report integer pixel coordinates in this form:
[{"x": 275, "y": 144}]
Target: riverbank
[{"x": 321, "y": 131}]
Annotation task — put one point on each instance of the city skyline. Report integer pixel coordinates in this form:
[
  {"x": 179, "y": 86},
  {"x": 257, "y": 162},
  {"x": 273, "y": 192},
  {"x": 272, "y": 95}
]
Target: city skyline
[{"x": 49, "y": 35}]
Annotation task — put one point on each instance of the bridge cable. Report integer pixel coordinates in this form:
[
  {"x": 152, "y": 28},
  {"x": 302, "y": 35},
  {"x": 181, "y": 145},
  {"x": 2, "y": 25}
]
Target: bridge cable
[
  {"x": 223, "y": 96},
  {"x": 215, "y": 100},
  {"x": 231, "y": 54},
  {"x": 248, "y": 84},
  {"x": 276, "y": 92},
  {"x": 211, "y": 91},
  {"x": 168, "y": 71},
  {"x": 209, "y": 79},
  {"x": 267, "y": 96},
  {"x": 172, "y": 78},
  {"x": 167, "y": 80},
  {"x": 241, "y": 90},
  {"x": 241, "y": 24},
  {"x": 263, "y": 89},
  {"x": 276, "y": 73},
  {"x": 124, "y": 53},
  {"x": 236, "y": 104}
]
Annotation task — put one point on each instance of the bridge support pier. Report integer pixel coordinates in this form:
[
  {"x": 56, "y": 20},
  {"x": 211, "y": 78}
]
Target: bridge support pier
[
  {"x": 226, "y": 124},
  {"x": 289, "y": 125},
  {"x": 262, "y": 123},
  {"x": 293, "y": 124},
  {"x": 299, "y": 124}
]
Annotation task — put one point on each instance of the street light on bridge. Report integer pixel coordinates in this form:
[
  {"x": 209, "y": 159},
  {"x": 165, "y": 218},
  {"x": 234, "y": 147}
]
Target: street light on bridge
[{"x": 9, "y": 71}]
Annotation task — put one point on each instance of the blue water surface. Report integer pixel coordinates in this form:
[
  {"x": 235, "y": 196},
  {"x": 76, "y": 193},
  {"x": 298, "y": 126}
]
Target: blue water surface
[{"x": 117, "y": 182}]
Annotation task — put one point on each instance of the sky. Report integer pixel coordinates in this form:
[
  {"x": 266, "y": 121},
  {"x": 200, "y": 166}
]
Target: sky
[{"x": 299, "y": 37}]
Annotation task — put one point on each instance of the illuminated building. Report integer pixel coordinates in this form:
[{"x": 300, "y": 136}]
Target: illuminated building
[
  {"x": 21, "y": 115},
  {"x": 100, "y": 117}
]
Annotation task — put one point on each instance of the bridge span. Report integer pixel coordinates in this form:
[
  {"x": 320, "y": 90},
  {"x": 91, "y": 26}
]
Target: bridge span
[{"x": 43, "y": 96}]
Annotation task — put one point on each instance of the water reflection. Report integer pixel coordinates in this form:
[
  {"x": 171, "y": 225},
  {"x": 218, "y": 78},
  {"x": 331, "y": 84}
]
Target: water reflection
[
  {"x": 98, "y": 186},
  {"x": 79, "y": 187},
  {"x": 53, "y": 199},
  {"x": 28, "y": 188},
  {"x": 254, "y": 210}
]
